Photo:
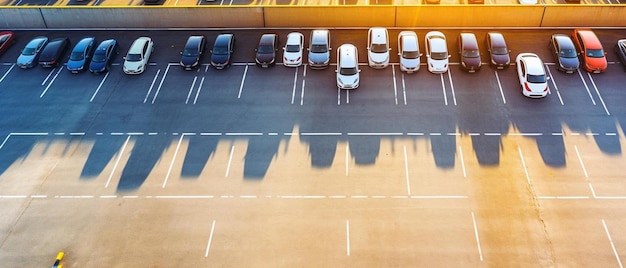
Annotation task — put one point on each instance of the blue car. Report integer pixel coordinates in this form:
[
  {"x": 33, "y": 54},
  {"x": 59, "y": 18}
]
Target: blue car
[
  {"x": 81, "y": 54},
  {"x": 30, "y": 54},
  {"x": 103, "y": 56}
]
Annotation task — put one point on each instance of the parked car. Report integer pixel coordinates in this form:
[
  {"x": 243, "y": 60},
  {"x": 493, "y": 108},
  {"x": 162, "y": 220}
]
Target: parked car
[
  {"x": 136, "y": 59},
  {"x": 409, "y": 51},
  {"x": 266, "y": 51},
  {"x": 564, "y": 53},
  {"x": 7, "y": 39},
  {"x": 103, "y": 56},
  {"x": 222, "y": 51},
  {"x": 469, "y": 52},
  {"x": 292, "y": 52},
  {"x": 590, "y": 49},
  {"x": 347, "y": 67},
  {"x": 319, "y": 49},
  {"x": 620, "y": 49},
  {"x": 436, "y": 52},
  {"x": 192, "y": 53},
  {"x": 498, "y": 51},
  {"x": 30, "y": 54},
  {"x": 532, "y": 75},
  {"x": 378, "y": 47},
  {"x": 53, "y": 53},
  {"x": 81, "y": 54}
]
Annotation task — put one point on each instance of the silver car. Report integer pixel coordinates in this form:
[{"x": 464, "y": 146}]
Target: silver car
[{"x": 30, "y": 54}]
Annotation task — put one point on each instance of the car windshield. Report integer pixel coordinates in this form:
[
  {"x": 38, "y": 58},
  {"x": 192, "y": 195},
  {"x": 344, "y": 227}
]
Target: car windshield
[
  {"x": 77, "y": 56},
  {"x": 567, "y": 53},
  {"x": 28, "y": 51},
  {"x": 595, "y": 53},
  {"x": 187, "y": 52},
  {"x": 292, "y": 48},
  {"x": 348, "y": 71},
  {"x": 471, "y": 54},
  {"x": 4, "y": 38},
  {"x": 99, "y": 57},
  {"x": 220, "y": 50},
  {"x": 439, "y": 55},
  {"x": 533, "y": 78},
  {"x": 266, "y": 49},
  {"x": 410, "y": 54},
  {"x": 319, "y": 49},
  {"x": 499, "y": 51},
  {"x": 133, "y": 57},
  {"x": 379, "y": 48}
]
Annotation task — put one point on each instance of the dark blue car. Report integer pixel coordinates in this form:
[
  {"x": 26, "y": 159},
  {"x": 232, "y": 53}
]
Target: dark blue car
[
  {"x": 222, "y": 51},
  {"x": 103, "y": 56},
  {"x": 81, "y": 54},
  {"x": 192, "y": 54},
  {"x": 564, "y": 53}
]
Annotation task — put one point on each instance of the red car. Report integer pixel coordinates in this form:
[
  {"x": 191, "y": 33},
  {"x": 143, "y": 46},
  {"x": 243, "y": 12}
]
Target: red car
[
  {"x": 591, "y": 50},
  {"x": 6, "y": 40}
]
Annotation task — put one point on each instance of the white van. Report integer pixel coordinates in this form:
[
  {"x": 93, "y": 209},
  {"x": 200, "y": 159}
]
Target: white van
[
  {"x": 347, "y": 67},
  {"x": 378, "y": 47}
]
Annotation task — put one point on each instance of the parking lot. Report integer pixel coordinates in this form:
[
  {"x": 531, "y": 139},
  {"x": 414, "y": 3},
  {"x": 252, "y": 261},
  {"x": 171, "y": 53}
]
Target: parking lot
[{"x": 276, "y": 167}]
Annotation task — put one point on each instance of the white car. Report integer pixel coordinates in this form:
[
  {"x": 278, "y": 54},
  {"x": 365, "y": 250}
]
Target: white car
[
  {"x": 409, "y": 51},
  {"x": 138, "y": 55},
  {"x": 292, "y": 54},
  {"x": 436, "y": 52},
  {"x": 347, "y": 67},
  {"x": 378, "y": 47},
  {"x": 532, "y": 75}
]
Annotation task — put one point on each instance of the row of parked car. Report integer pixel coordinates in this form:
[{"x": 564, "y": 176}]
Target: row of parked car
[{"x": 581, "y": 48}]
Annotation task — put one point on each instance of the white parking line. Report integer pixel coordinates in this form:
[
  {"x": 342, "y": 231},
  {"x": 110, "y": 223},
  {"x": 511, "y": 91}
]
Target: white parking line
[
  {"x": 500, "y": 86},
  {"x": 406, "y": 172},
  {"x": 347, "y": 157},
  {"x": 48, "y": 77},
  {"x": 521, "y": 156},
  {"x": 303, "y": 80},
  {"x": 152, "y": 85},
  {"x": 117, "y": 162},
  {"x": 480, "y": 251},
  {"x": 243, "y": 80},
  {"x": 195, "y": 100},
  {"x": 208, "y": 245},
  {"x": 295, "y": 80},
  {"x": 598, "y": 92},
  {"x": 443, "y": 88},
  {"x": 348, "y": 237},
  {"x": 50, "y": 84},
  {"x": 612, "y": 244},
  {"x": 403, "y": 88},
  {"x": 462, "y": 162},
  {"x": 161, "y": 83},
  {"x": 99, "y": 86},
  {"x": 452, "y": 86},
  {"x": 554, "y": 84},
  {"x": 230, "y": 160},
  {"x": 7, "y": 72},
  {"x": 169, "y": 170},
  {"x": 586, "y": 87},
  {"x": 191, "y": 89},
  {"x": 395, "y": 87}
]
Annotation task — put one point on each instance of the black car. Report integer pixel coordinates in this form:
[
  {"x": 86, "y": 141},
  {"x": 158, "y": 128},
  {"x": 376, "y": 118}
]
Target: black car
[
  {"x": 103, "y": 55},
  {"x": 469, "y": 52},
  {"x": 266, "y": 52},
  {"x": 222, "y": 51},
  {"x": 498, "y": 51},
  {"x": 620, "y": 49},
  {"x": 53, "y": 53},
  {"x": 192, "y": 53},
  {"x": 564, "y": 52}
]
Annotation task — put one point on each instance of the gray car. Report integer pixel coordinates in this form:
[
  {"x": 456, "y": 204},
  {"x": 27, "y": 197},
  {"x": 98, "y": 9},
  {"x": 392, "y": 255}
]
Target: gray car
[
  {"x": 30, "y": 54},
  {"x": 319, "y": 49},
  {"x": 564, "y": 53}
]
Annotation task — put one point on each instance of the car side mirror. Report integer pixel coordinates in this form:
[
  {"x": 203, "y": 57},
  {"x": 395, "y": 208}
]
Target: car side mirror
[
  {"x": 359, "y": 70},
  {"x": 124, "y": 57},
  {"x": 256, "y": 50},
  {"x": 449, "y": 56},
  {"x": 336, "y": 71},
  {"x": 181, "y": 53}
]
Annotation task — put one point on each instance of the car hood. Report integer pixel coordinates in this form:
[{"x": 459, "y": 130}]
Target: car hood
[
  {"x": 348, "y": 79},
  {"x": 569, "y": 62},
  {"x": 75, "y": 64},
  {"x": 410, "y": 63},
  {"x": 319, "y": 57},
  {"x": 500, "y": 59},
  {"x": 220, "y": 59},
  {"x": 471, "y": 62},
  {"x": 186, "y": 60},
  {"x": 25, "y": 59},
  {"x": 438, "y": 64},
  {"x": 378, "y": 57},
  {"x": 292, "y": 55},
  {"x": 97, "y": 66},
  {"x": 264, "y": 58},
  {"x": 132, "y": 65},
  {"x": 597, "y": 62}
]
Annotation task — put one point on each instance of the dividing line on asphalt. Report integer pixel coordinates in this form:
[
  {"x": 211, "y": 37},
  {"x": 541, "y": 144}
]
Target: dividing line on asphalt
[
  {"x": 500, "y": 86},
  {"x": 606, "y": 229},
  {"x": 406, "y": 172},
  {"x": 119, "y": 156},
  {"x": 243, "y": 80},
  {"x": 51, "y": 81},
  {"x": 169, "y": 170},
  {"x": 151, "y": 85},
  {"x": 99, "y": 86},
  {"x": 599, "y": 96},
  {"x": 161, "y": 83},
  {"x": 208, "y": 245},
  {"x": 395, "y": 87},
  {"x": 451, "y": 86},
  {"x": 480, "y": 251},
  {"x": 586, "y": 87},
  {"x": 7, "y": 72},
  {"x": 347, "y": 237},
  {"x": 295, "y": 85},
  {"x": 554, "y": 84}
]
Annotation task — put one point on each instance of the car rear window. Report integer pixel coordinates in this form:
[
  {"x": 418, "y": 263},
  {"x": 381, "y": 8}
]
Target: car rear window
[{"x": 533, "y": 78}]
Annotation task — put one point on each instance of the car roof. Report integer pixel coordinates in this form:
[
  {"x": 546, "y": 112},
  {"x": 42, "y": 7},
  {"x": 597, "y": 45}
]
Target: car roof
[
  {"x": 379, "y": 35},
  {"x": 83, "y": 43},
  {"x": 106, "y": 43},
  {"x": 564, "y": 41},
  {"x": 533, "y": 64},
  {"x": 38, "y": 39},
  {"x": 469, "y": 41},
  {"x": 319, "y": 36},
  {"x": 589, "y": 38},
  {"x": 137, "y": 46},
  {"x": 409, "y": 41},
  {"x": 347, "y": 55},
  {"x": 57, "y": 42},
  {"x": 294, "y": 38},
  {"x": 267, "y": 39},
  {"x": 497, "y": 39},
  {"x": 438, "y": 44}
]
